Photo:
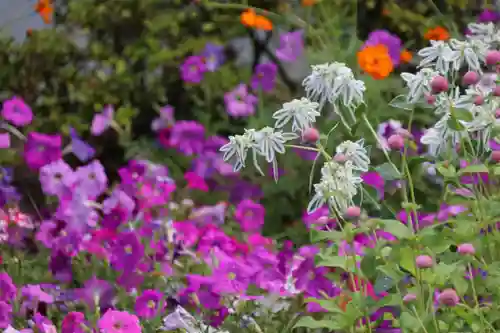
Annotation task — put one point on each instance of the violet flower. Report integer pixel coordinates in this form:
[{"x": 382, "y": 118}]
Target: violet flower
[
  {"x": 96, "y": 292},
  {"x": 41, "y": 149},
  {"x": 291, "y": 46},
  {"x": 17, "y": 112},
  {"x": 250, "y": 215},
  {"x": 148, "y": 305},
  {"x": 213, "y": 55},
  {"x": 127, "y": 252},
  {"x": 187, "y": 137},
  {"x": 193, "y": 69},
  {"x": 8, "y": 290},
  {"x": 489, "y": 15},
  {"x": 92, "y": 179},
  {"x": 4, "y": 140},
  {"x": 119, "y": 322},
  {"x": 82, "y": 150},
  {"x": 264, "y": 77},
  {"x": 102, "y": 121},
  {"x": 56, "y": 178},
  {"x": 239, "y": 102}
]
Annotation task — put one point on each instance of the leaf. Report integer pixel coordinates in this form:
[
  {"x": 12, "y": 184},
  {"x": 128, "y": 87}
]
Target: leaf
[
  {"x": 407, "y": 260},
  {"x": 383, "y": 283},
  {"x": 475, "y": 168},
  {"x": 309, "y": 322},
  {"x": 319, "y": 235},
  {"x": 447, "y": 171},
  {"x": 400, "y": 102},
  {"x": 332, "y": 261},
  {"x": 396, "y": 228},
  {"x": 461, "y": 285},
  {"x": 369, "y": 265},
  {"x": 388, "y": 172},
  {"x": 408, "y": 321}
]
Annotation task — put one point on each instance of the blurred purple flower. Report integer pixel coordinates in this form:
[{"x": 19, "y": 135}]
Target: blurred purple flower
[
  {"x": 96, "y": 292},
  {"x": 165, "y": 120},
  {"x": 319, "y": 219},
  {"x": 193, "y": 69},
  {"x": 74, "y": 322},
  {"x": 188, "y": 137},
  {"x": 56, "y": 177},
  {"x": 92, "y": 179},
  {"x": 385, "y": 130},
  {"x": 82, "y": 150},
  {"x": 374, "y": 180},
  {"x": 117, "y": 209},
  {"x": 8, "y": 290},
  {"x": 148, "y": 304},
  {"x": 102, "y": 121},
  {"x": 239, "y": 102},
  {"x": 392, "y": 42},
  {"x": 119, "y": 322},
  {"x": 213, "y": 55},
  {"x": 291, "y": 46},
  {"x": 489, "y": 15},
  {"x": 231, "y": 276},
  {"x": 41, "y": 149},
  {"x": 4, "y": 140},
  {"x": 264, "y": 77},
  {"x": 250, "y": 215},
  {"x": 127, "y": 252},
  {"x": 5, "y": 314},
  {"x": 204, "y": 215},
  {"x": 17, "y": 112}
]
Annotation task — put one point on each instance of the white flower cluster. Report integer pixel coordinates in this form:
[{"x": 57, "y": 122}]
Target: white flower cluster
[
  {"x": 333, "y": 83},
  {"x": 340, "y": 177},
  {"x": 464, "y": 113}
]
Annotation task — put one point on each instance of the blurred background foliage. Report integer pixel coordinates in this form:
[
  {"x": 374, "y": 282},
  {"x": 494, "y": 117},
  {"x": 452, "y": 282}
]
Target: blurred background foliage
[{"x": 127, "y": 53}]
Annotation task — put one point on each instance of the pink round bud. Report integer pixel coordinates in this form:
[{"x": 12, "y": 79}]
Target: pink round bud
[
  {"x": 430, "y": 99},
  {"x": 497, "y": 113},
  {"x": 479, "y": 100},
  {"x": 311, "y": 134},
  {"x": 470, "y": 78},
  {"x": 424, "y": 261},
  {"x": 466, "y": 248},
  {"x": 353, "y": 212},
  {"x": 396, "y": 142},
  {"x": 492, "y": 58},
  {"x": 340, "y": 158},
  {"x": 495, "y": 156},
  {"x": 496, "y": 91},
  {"x": 448, "y": 297},
  {"x": 408, "y": 298},
  {"x": 439, "y": 84}
]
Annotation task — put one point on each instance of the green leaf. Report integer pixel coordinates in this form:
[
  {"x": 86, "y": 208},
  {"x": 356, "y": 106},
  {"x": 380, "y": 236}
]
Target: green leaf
[
  {"x": 400, "y": 102},
  {"x": 332, "y": 261},
  {"x": 455, "y": 124},
  {"x": 388, "y": 172},
  {"x": 408, "y": 321},
  {"x": 407, "y": 260},
  {"x": 369, "y": 265},
  {"x": 396, "y": 228},
  {"x": 309, "y": 322},
  {"x": 319, "y": 235},
  {"x": 447, "y": 171},
  {"x": 462, "y": 114},
  {"x": 460, "y": 283},
  {"x": 475, "y": 168}
]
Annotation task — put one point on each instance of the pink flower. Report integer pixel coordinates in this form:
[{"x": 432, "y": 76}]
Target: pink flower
[
  {"x": 17, "y": 112},
  {"x": 239, "y": 102},
  {"x": 119, "y": 322},
  {"x": 102, "y": 121},
  {"x": 4, "y": 140},
  {"x": 195, "y": 182},
  {"x": 250, "y": 215}
]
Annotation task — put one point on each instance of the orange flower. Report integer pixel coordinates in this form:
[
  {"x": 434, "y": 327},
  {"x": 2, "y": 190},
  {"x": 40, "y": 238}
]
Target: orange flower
[
  {"x": 437, "y": 33},
  {"x": 376, "y": 61},
  {"x": 250, "y": 19},
  {"x": 307, "y": 3},
  {"x": 45, "y": 10},
  {"x": 405, "y": 56}
]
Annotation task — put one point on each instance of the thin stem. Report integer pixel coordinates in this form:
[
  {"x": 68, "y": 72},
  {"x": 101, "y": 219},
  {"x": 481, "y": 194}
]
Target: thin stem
[{"x": 14, "y": 131}]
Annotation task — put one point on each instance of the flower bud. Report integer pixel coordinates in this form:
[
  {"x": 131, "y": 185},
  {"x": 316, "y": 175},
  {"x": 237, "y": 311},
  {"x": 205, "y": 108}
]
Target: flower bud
[
  {"x": 448, "y": 297},
  {"x": 408, "y": 298},
  {"x": 492, "y": 58},
  {"x": 466, "y": 248},
  {"x": 470, "y": 78},
  {"x": 353, "y": 212},
  {"x": 311, "y": 134},
  {"x": 496, "y": 91},
  {"x": 340, "y": 158},
  {"x": 479, "y": 100},
  {"x": 495, "y": 156},
  {"x": 439, "y": 84},
  {"x": 430, "y": 99},
  {"x": 424, "y": 261},
  {"x": 396, "y": 142}
]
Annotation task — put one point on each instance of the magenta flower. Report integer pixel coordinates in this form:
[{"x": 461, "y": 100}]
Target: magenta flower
[
  {"x": 56, "y": 178},
  {"x": 41, "y": 149},
  {"x": 239, "y": 102},
  {"x": 43, "y": 324},
  {"x": 264, "y": 77},
  {"x": 4, "y": 140},
  {"x": 187, "y": 137},
  {"x": 489, "y": 15},
  {"x": 102, "y": 121},
  {"x": 374, "y": 180},
  {"x": 250, "y": 215},
  {"x": 206, "y": 215},
  {"x": 392, "y": 42},
  {"x": 148, "y": 304},
  {"x": 117, "y": 209},
  {"x": 195, "y": 182},
  {"x": 8, "y": 290},
  {"x": 201, "y": 287},
  {"x": 5, "y": 314},
  {"x": 74, "y": 322},
  {"x": 165, "y": 120},
  {"x": 96, "y": 292},
  {"x": 186, "y": 233},
  {"x": 119, "y": 322},
  {"x": 231, "y": 276},
  {"x": 291, "y": 46},
  {"x": 193, "y": 69},
  {"x": 319, "y": 219},
  {"x": 127, "y": 252},
  {"x": 17, "y": 112}
]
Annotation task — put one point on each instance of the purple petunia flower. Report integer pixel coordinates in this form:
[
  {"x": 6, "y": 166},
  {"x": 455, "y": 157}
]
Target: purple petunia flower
[
  {"x": 250, "y": 215},
  {"x": 17, "y": 112},
  {"x": 117, "y": 209},
  {"x": 82, "y": 150},
  {"x": 239, "y": 102},
  {"x": 96, "y": 292},
  {"x": 92, "y": 179},
  {"x": 119, "y": 322},
  {"x": 264, "y": 77},
  {"x": 376, "y": 181},
  {"x": 5, "y": 314},
  {"x": 127, "y": 252},
  {"x": 56, "y": 177},
  {"x": 193, "y": 69},
  {"x": 200, "y": 287},
  {"x": 4, "y": 140},
  {"x": 41, "y": 149},
  {"x": 291, "y": 46},
  {"x": 8, "y": 290},
  {"x": 489, "y": 15},
  {"x": 384, "y": 37},
  {"x": 74, "y": 322},
  {"x": 165, "y": 120},
  {"x": 102, "y": 121},
  {"x": 148, "y": 304},
  {"x": 213, "y": 55},
  {"x": 188, "y": 137}
]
